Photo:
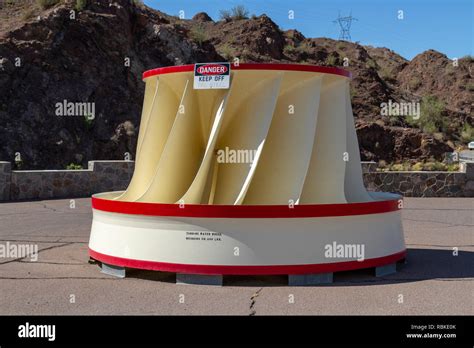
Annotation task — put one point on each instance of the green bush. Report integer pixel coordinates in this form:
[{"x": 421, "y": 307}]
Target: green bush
[
  {"x": 28, "y": 14},
  {"x": 198, "y": 34},
  {"x": 467, "y": 133},
  {"x": 88, "y": 121},
  {"x": 225, "y": 15},
  {"x": 304, "y": 47},
  {"x": 289, "y": 49},
  {"x": 45, "y": 4},
  {"x": 226, "y": 51},
  {"x": 469, "y": 58},
  {"x": 432, "y": 118},
  {"x": 331, "y": 60},
  {"x": 237, "y": 12},
  {"x": 371, "y": 64},
  {"x": 80, "y": 4},
  {"x": 414, "y": 83},
  {"x": 73, "y": 166},
  {"x": 419, "y": 166}
]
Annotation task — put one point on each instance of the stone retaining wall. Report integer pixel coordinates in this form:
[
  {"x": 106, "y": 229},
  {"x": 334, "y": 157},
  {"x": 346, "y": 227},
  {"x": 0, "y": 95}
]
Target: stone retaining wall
[
  {"x": 422, "y": 184},
  {"x": 103, "y": 176}
]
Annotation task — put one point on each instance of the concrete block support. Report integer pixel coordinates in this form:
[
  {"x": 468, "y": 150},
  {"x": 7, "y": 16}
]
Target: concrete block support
[
  {"x": 112, "y": 270},
  {"x": 199, "y": 279},
  {"x": 310, "y": 279},
  {"x": 385, "y": 270}
]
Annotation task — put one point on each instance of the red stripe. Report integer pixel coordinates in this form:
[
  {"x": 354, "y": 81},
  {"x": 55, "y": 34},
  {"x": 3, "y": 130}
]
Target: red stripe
[
  {"x": 247, "y": 270},
  {"x": 254, "y": 66},
  {"x": 245, "y": 211}
]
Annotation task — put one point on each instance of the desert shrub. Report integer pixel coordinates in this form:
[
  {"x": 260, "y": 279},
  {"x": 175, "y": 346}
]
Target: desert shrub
[
  {"x": 304, "y": 47},
  {"x": 80, "y": 4},
  {"x": 28, "y": 14},
  {"x": 432, "y": 118},
  {"x": 226, "y": 51},
  {"x": 371, "y": 64},
  {"x": 289, "y": 49},
  {"x": 469, "y": 58},
  {"x": 73, "y": 166},
  {"x": 417, "y": 167},
  {"x": 453, "y": 167},
  {"x": 88, "y": 121},
  {"x": 434, "y": 166},
  {"x": 414, "y": 83},
  {"x": 331, "y": 60},
  {"x": 470, "y": 87},
  {"x": 198, "y": 34},
  {"x": 45, "y": 4},
  {"x": 239, "y": 12},
  {"x": 225, "y": 15},
  {"x": 340, "y": 46},
  {"x": 467, "y": 133},
  {"x": 386, "y": 73}
]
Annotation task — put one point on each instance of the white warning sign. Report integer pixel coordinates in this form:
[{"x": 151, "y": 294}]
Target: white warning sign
[{"x": 211, "y": 75}]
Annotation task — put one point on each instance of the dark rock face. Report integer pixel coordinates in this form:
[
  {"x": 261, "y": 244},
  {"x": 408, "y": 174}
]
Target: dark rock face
[
  {"x": 98, "y": 57},
  {"x": 202, "y": 17}
]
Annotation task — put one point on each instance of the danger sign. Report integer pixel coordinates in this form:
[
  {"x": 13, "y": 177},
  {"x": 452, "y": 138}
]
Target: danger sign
[{"x": 211, "y": 75}]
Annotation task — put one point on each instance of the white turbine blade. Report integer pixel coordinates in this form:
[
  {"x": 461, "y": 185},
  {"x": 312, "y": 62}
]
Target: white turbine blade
[
  {"x": 154, "y": 134},
  {"x": 246, "y": 129},
  {"x": 354, "y": 187},
  {"x": 195, "y": 192},
  {"x": 324, "y": 181},
  {"x": 285, "y": 158},
  {"x": 181, "y": 155}
]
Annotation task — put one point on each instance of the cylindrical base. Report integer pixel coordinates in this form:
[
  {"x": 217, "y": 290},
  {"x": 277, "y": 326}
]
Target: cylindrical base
[{"x": 232, "y": 245}]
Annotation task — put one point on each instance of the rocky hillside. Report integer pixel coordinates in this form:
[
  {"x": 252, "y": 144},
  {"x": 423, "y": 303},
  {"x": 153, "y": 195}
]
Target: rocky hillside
[{"x": 49, "y": 54}]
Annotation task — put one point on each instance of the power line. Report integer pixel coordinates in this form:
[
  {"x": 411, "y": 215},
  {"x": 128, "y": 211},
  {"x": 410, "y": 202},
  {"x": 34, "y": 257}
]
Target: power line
[{"x": 345, "y": 24}]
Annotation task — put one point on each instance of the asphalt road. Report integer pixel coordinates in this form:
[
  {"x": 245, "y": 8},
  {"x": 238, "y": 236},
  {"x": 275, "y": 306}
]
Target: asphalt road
[{"x": 61, "y": 281}]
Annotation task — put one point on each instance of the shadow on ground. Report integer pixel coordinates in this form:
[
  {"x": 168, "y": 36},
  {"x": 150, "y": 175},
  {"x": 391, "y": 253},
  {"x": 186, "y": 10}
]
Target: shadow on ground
[{"x": 422, "y": 264}]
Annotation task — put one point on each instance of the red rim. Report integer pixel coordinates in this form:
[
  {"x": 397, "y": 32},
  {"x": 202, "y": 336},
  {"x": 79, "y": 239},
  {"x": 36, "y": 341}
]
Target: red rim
[
  {"x": 254, "y": 66},
  {"x": 245, "y": 211},
  {"x": 247, "y": 270}
]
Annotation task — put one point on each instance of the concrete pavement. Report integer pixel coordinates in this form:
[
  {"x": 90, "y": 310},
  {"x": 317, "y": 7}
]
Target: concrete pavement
[{"x": 61, "y": 281}]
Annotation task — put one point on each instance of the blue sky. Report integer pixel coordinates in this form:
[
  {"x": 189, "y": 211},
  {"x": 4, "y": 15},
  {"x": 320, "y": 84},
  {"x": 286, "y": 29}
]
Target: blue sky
[{"x": 446, "y": 26}]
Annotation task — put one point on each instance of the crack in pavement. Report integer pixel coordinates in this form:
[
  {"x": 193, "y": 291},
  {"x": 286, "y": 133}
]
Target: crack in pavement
[
  {"x": 53, "y": 263},
  {"x": 253, "y": 300}
]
